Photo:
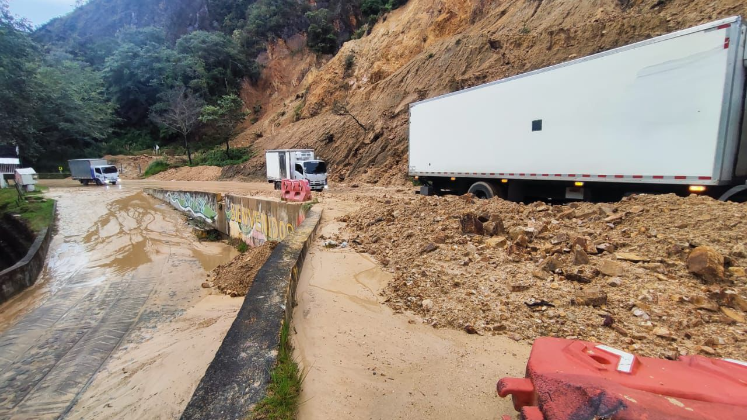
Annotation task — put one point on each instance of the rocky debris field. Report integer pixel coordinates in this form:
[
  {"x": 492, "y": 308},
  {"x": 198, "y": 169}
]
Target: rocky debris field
[
  {"x": 658, "y": 276},
  {"x": 189, "y": 173},
  {"x": 236, "y": 277}
]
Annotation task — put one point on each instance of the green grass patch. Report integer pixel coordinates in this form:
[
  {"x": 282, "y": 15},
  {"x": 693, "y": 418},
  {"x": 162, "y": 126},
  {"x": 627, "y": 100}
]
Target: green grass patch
[
  {"x": 156, "y": 167},
  {"x": 218, "y": 157},
  {"x": 307, "y": 206},
  {"x": 33, "y": 211},
  {"x": 242, "y": 247},
  {"x": 284, "y": 391}
]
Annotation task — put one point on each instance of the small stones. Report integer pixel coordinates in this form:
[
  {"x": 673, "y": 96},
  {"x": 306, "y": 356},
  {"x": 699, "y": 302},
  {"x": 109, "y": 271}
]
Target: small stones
[
  {"x": 732, "y": 314},
  {"x": 429, "y": 248},
  {"x": 611, "y": 268},
  {"x": 427, "y": 305},
  {"x": 591, "y": 297},
  {"x": 579, "y": 256},
  {"x": 629, "y": 256},
  {"x": 615, "y": 282},
  {"x": 471, "y": 225}
]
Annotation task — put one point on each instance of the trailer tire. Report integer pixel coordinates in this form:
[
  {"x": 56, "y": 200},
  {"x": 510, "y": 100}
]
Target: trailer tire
[
  {"x": 277, "y": 185},
  {"x": 84, "y": 182},
  {"x": 484, "y": 190}
]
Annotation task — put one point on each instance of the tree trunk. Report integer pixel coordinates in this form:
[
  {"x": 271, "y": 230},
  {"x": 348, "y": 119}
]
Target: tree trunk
[
  {"x": 186, "y": 146},
  {"x": 227, "y": 155}
]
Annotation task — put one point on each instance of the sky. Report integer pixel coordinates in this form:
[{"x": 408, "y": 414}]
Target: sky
[{"x": 40, "y": 12}]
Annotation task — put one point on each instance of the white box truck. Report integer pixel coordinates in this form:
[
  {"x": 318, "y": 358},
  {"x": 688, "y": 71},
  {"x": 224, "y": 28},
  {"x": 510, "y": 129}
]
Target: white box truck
[
  {"x": 98, "y": 171},
  {"x": 662, "y": 115},
  {"x": 296, "y": 164}
]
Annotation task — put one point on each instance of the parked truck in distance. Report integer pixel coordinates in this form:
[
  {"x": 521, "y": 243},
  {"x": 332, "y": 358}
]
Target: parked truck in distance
[
  {"x": 98, "y": 171},
  {"x": 296, "y": 164},
  {"x": 662, "y": 115}
]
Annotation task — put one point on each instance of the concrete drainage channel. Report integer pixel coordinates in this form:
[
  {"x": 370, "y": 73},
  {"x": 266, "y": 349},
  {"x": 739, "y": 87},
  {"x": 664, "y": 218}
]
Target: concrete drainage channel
[
  {"x": 238, "y": 376},
  {"x": 25, "y": 272}
]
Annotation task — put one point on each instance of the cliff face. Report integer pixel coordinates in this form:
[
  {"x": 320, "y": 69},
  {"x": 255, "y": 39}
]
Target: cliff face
[
  {"x": 428, "y": 48},
  {"x": 103, "y": 18}
]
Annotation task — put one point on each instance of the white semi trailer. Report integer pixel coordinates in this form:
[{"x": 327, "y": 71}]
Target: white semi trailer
[
  {"x": 296, "y": 164},
  {"x": 662, "y": 115}
]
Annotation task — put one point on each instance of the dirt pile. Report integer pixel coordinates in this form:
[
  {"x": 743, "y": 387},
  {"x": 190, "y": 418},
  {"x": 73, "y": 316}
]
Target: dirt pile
[
  {"x": 236, "y": 277},
  {"x": 655, "y": 275},
  {"x": 131, "y": 167},
  {"x": 187, "y": 173},
  {"x": 427, "y": 48}
]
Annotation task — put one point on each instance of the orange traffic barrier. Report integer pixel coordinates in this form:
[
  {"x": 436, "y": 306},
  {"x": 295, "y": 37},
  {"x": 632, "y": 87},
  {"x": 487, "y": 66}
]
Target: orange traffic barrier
[
  {"x": 573, "y": 380},
  {"x": 295, "y": 190}
]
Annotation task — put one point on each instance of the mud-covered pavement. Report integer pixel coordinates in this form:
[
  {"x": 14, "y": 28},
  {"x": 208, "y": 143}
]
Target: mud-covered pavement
[{"x": 117, "y": 324}]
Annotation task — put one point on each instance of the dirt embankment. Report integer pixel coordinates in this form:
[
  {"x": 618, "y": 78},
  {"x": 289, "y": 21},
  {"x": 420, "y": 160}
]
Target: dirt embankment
[
  {"x": 189, "y": 173},
  {"x": 236, "y": 277},
  {"x": 655, "y": 275},
  {"x": 428, "y": 48}
]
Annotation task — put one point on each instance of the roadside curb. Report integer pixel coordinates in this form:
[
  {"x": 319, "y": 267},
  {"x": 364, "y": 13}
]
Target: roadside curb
[
  {"x": 25, "y": 272},
  {"x": 238, "y": 376}
]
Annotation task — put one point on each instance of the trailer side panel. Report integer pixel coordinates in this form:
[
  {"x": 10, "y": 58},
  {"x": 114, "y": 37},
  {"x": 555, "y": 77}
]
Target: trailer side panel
[{"x": 649, "y": 113}]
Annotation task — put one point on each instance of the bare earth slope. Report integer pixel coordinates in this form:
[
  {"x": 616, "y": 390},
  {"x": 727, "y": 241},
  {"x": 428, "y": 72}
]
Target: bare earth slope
[{"x": 428, "y": 48}]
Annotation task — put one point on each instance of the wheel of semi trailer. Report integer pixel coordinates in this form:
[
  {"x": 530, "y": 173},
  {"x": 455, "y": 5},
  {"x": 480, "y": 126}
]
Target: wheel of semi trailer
[{"x": 484, "y": 190}]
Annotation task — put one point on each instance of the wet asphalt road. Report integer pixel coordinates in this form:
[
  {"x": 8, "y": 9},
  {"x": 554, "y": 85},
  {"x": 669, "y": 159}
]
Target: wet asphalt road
[{"x": 108, "y": 269}]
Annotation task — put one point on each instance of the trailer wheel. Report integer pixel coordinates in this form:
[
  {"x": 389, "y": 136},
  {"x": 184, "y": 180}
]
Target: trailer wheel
[
  {"x": 277, "y": 185},
  {"x": 84, "y": 182},
  {"x": 484, "y": 190}
]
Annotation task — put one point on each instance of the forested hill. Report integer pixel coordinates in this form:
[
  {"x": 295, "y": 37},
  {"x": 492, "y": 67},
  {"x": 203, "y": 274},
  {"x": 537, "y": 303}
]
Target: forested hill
[
  {"x": 94, "y": 24},
  {"x": 105, "y": 78}
]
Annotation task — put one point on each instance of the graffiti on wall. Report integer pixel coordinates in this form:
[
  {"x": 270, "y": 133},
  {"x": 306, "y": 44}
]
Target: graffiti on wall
[
  {"x": 257, "y": 221},
  {"x": 200, "y": 205}
]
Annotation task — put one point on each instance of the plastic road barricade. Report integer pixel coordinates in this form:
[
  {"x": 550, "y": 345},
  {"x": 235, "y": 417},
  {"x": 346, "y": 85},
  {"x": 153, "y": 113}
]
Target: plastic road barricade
[
  {"x": 295, "y": 190},
  {"x": 579, "y": 380}
]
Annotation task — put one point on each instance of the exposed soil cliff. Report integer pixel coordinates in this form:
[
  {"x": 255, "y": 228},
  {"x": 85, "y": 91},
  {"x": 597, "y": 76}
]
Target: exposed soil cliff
[{"x": 428, "y": 48}]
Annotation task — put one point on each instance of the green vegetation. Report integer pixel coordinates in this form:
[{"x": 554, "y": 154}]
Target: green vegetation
[
  {"x": 156, "y": 167},
  {"x": 36, "y": 213},
  {"x": 307, "y": 206},
  {"x": 219, "y": 157},
  {"x": 281, "y": 402},
  {"x": 224, "y": 117},
  {"x": 92, "y": 83},
  {"x": 242, "y": 247},
  {"x": 321, "y": 38}
]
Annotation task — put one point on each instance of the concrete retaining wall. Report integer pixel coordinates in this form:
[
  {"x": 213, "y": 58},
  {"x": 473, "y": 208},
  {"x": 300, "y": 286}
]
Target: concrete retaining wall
[
  {"x": 251, "y": 219},
  {"x": 239, "y": 374},
  {"x": 25, "y": 272}
]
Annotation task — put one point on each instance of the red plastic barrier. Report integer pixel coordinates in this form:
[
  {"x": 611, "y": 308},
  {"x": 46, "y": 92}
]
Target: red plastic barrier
[
  {"x": 575, "y": 380},
  {"x": 295, "y": 190}
]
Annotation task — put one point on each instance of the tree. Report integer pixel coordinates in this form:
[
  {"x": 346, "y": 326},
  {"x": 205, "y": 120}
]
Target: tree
[
  {"x": 321, "y": 34},
  {"x": 340, "y": 108},
  {"x": 19, "y": 60},
  {"x": 219, "y": 66},
  {"x": 72, "y": 111},
  {"x": 225, "y": 117},
  {"x": 180, "y": 113}
]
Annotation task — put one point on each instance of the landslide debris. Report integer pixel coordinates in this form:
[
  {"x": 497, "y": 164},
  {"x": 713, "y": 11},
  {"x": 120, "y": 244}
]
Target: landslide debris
[
  {"x": 655, "y": 275},
  {"x": 187, "y": 173},
  {"x": 236, "y": 277},
  {"x": 428, "y": 48}
]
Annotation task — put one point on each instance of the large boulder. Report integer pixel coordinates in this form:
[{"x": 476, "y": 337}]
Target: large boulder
[{"x": 706, "y": 263}]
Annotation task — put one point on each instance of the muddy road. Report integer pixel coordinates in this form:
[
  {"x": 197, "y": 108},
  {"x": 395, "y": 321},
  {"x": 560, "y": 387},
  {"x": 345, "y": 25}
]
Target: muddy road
[{"x": 117, "y": 325}]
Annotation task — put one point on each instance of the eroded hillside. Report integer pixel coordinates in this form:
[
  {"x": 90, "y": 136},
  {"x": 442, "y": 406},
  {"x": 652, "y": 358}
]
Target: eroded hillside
[{"x": 428, "y": 48}]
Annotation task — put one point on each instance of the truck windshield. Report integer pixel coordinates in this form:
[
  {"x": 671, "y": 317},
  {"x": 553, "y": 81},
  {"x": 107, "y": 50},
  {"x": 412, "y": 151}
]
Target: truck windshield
[
  {"x": 109, "y": 169},
  {"x": 318, "y": 167}
]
